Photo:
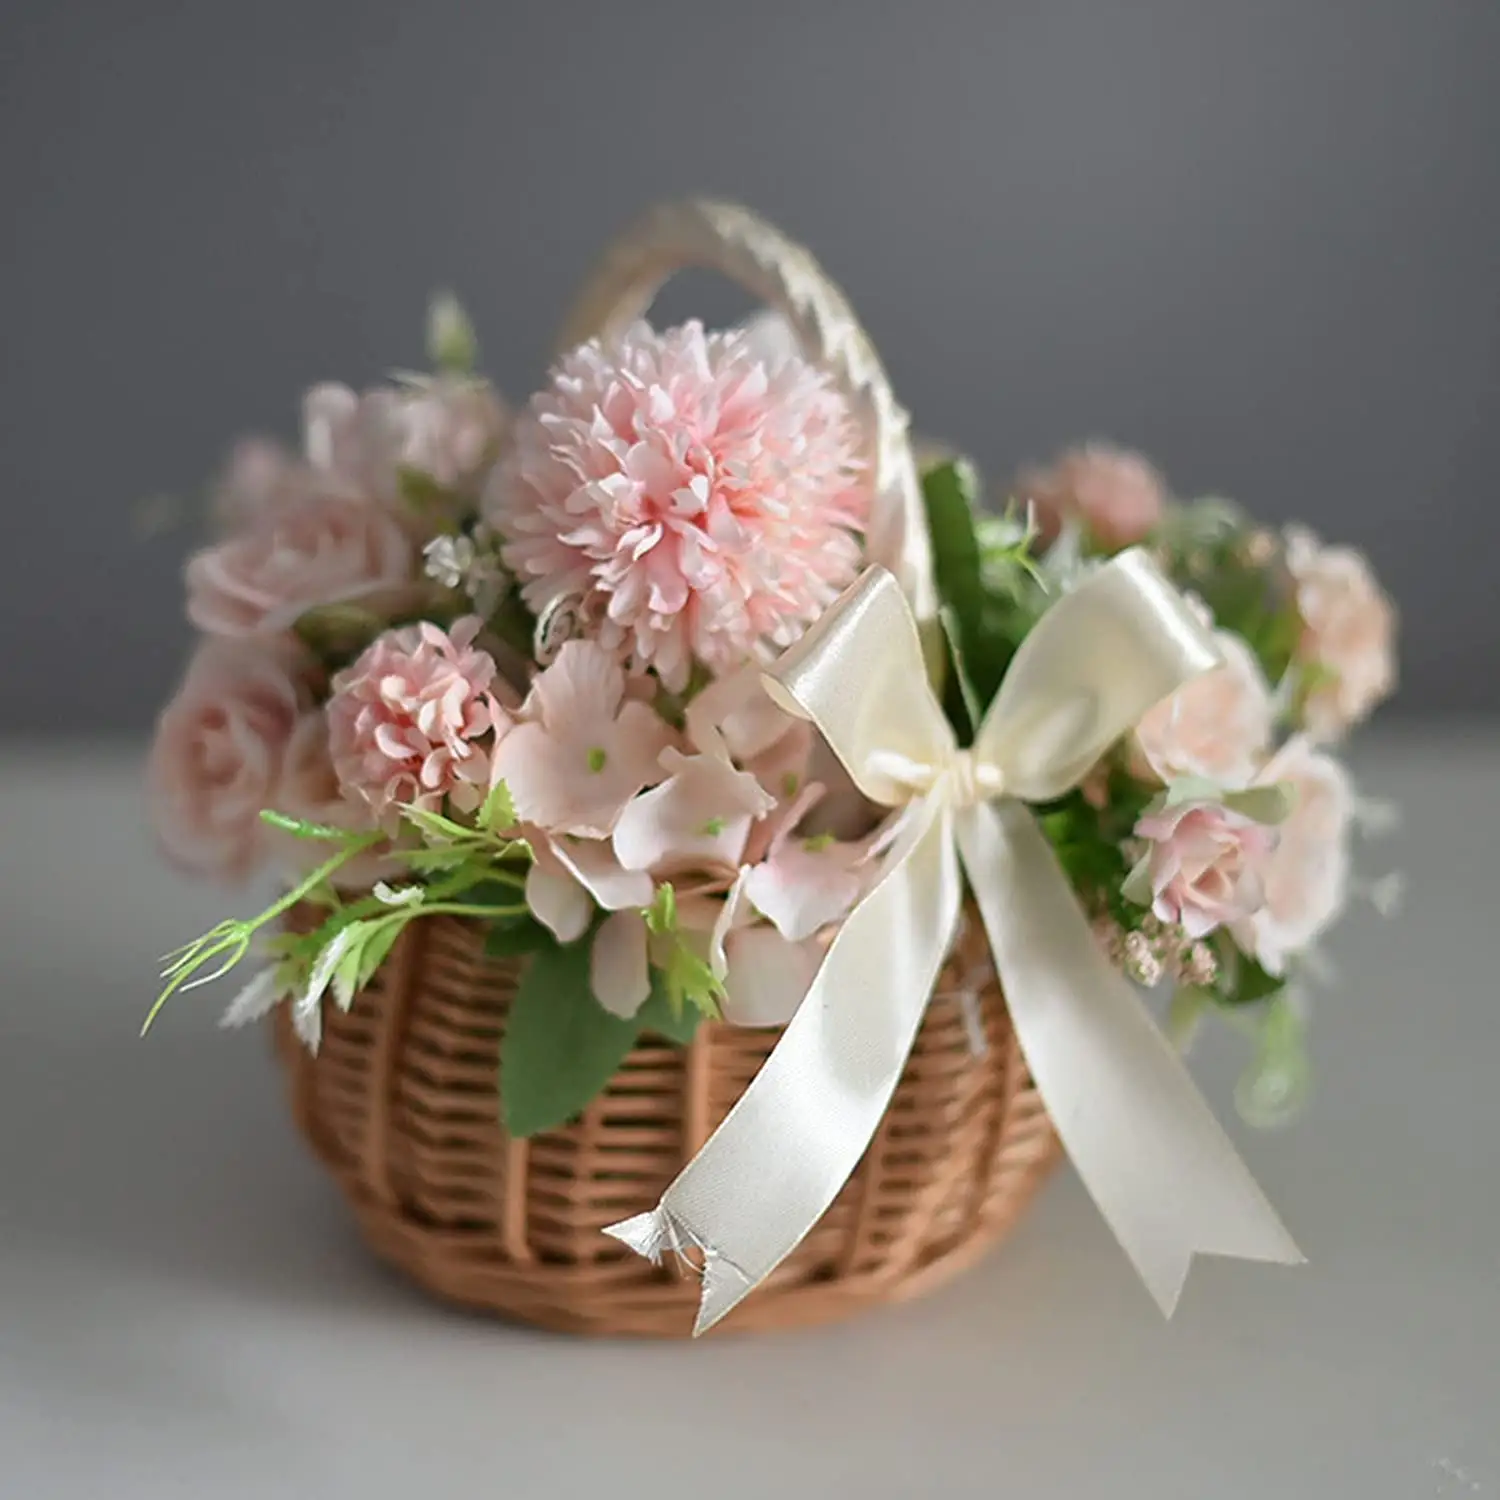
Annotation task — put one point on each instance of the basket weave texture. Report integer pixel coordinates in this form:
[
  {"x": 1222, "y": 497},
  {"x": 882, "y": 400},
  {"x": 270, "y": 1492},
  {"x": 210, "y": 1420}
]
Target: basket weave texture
[{"x": 401, "y": 1103}]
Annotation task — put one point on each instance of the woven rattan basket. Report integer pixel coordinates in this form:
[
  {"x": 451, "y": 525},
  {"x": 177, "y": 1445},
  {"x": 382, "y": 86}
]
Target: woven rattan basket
[
  {"x": 401, "y": 1101},
  {"x": 401, "y": 1104}
]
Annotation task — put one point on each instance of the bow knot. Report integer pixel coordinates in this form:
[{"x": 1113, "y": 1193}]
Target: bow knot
[
  {"x": 1163, "y": 1174},
  {"x": 971, "y": 780}
]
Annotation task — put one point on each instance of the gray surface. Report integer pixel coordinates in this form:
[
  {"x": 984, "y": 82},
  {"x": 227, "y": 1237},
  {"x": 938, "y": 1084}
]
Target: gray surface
[
  {"x": 184, "y": 1308},
  {"x": 1258, "y": 238}
]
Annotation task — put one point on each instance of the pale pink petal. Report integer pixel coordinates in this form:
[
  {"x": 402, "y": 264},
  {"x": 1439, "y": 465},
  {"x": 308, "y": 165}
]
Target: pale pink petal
[
  {"x": 559, "y": 903},
  {"x": 594, "y": 866},
  {"x": 700, "y": 815},
  {"x": 618, "y": 968},
  {"x": 803, "y": 887},
  {"x": 579, "y": 694},
  {"x": 541, "y": 790},
  {"x": 768, "y": 977}
]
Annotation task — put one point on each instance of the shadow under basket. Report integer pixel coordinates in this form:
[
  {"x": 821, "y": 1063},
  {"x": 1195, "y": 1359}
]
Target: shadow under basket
[{"x": 401, "y": 1103}]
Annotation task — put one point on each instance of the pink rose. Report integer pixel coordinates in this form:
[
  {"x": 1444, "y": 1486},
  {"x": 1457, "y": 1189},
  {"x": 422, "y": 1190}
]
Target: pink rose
[
  {"x": 1217, "y": 726},
  {"x": 321, "y": 549},
  {"x": 1348, "y": 631},
  {"x": 1114, "y": 494},
  {"x": 1205, "y": 864},
  {"x": 1307, "y": 876},
  {"x": 219, "y": 752},
  {"x": 449, "y": 428},
  {"x": 308, "y": 788},
  {"x": 415, "y": 720}
]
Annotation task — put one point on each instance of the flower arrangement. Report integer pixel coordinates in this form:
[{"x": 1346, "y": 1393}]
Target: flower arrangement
[{"x": 506, "y": 666}]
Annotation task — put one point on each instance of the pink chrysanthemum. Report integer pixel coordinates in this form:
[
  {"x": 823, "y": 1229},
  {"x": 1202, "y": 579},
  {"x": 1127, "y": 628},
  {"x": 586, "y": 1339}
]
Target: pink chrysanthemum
[
  {"x": 415, "y": 719},
  {"x": 694, "y": 501}
]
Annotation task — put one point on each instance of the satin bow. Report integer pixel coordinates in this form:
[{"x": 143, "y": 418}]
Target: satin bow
[{"x": 1156, "y": 1162}]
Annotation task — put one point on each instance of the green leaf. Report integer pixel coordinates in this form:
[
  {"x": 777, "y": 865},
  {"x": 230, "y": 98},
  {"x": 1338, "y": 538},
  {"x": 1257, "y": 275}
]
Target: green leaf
[
  {"x": 301, "y": 828},
  {"x": 951, "y": 491},
  {"x": 451, "y": 344},
  {"x": 561, "y": 1047},
  {"x": 1136, "y": 887},
  {"x": 658, "y": 1015},
  {"x": 982, "y": 595},
  {"x": 420, "y": 491},
  {"x": 377, "y": 948},
  {"x": 661, "y": 915},
  {"x": 1274, "y": 1086},
  {"x": 498, "y": 810},
  {"x": 437, "y": 858},
  {"x": 435, "y": 825},
  {"x": 508, "y": 939},
  {"x": 959, "y": 680}
]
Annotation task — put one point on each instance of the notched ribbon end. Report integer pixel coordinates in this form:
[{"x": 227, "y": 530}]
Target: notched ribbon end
[
  {"x": 650, "y": 1234},
  {"x": 659, "y": 1233},
  {"x": 1166, "y": 1282}
]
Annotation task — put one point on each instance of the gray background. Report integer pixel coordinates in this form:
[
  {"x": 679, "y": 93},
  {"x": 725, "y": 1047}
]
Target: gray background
[{"x": 1259, "y": 240}]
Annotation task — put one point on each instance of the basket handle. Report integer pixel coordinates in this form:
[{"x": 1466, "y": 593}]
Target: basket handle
[{"x": 738, "y": 244}]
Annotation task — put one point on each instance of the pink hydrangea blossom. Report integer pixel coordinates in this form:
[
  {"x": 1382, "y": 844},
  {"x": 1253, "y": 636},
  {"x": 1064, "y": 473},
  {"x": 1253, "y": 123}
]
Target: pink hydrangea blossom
[
  {"x": 1206, "y": 864},
  {"x": 694, "y": 501},
  {"x": 583, "y": 747},
  {"x": 415, "y": 720},
  {"x": 316, "y": 549},
  {"x": 699, "y": 818},
  {"x": 1113, "y": 493},
  {"x": 219, "y": 753},
  {"x": 1348, "y": 633},
  {"x": 1306, "y": 879},
  {"x": 571, "y": 878},
  {"x": 1216, "y": 726}
]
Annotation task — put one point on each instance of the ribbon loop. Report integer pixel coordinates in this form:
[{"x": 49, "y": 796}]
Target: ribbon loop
[
  {"x": 1162, "y": 1172},
  {"x": 873, "y": 707},
  {"x": 1087, "y": 673}
]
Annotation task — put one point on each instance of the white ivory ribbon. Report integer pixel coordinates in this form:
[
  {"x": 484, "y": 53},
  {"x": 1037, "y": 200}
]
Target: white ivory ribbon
[{"x": 1161, "y": 1170}]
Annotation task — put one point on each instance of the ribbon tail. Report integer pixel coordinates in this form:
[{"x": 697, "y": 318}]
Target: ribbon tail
[
  {"x": 769, "y": 1172},
  {"x": 1148, "y": 1149}
]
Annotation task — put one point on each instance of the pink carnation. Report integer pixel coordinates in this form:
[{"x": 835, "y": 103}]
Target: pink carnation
[
  {"x": 1349, "y": 629},
  {"x": 1217, "y": 726},
  {"x": 1307, "y": 877},
  {"x": 415, "y": 720},
  {"x": 219, "y": 753},
  {"x": 693, "y": 500},
  {"x": 1114, "y": 494},
  {"x": 1206, "y": 864}
]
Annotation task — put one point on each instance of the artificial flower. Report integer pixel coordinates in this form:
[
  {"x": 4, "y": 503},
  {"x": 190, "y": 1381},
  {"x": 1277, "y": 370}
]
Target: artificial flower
[
  {"x": 1348, "y": 634},
  {"x": 415, "y": 720},
  {"x": 583, "y": 747},
  {"x": 690, "y": 499},
  {"x": 446, "y": 428},
  {"x": 1306, "y": 879},
  {"x": 308, "y": 788},
  {"x": 699, "y": 817},
  {"x": 1205, "y": 864},
  {"x": 1216, "y": 726},
  {"x": 219, "y": 752},
  {"x": 316, "y": 549},
  {"x": 1114, "y": 494},
  {"x": 804, "y": 883},
  {"x": 571, "y": 878}
]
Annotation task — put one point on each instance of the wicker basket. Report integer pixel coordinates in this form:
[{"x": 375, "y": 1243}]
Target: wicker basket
[{"x": 401, "y": 1102}]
